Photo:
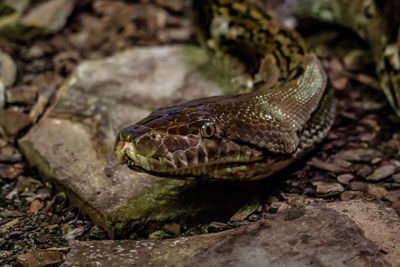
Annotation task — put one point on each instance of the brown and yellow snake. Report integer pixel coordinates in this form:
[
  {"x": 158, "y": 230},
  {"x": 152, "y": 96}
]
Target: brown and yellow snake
[{"x": 249, "y": 136}]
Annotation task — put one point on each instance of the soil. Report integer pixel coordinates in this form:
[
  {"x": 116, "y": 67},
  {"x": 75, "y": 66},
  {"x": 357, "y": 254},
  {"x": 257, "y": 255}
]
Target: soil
[{"x": 357, "y": 160}]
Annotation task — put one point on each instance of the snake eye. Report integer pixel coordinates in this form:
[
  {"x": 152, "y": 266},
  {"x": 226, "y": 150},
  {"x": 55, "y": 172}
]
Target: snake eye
[{"x": 208, "y": 129}]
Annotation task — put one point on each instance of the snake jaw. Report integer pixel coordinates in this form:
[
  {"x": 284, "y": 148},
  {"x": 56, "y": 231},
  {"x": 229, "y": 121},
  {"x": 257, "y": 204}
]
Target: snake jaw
[{"x": 176, "y": 155}]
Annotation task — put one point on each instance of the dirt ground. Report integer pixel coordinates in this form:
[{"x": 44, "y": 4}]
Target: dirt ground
[{"x": 359, "y": 159}]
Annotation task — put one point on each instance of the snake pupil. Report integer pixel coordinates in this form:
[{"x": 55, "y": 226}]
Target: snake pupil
[{"x": 208, "y": 129}]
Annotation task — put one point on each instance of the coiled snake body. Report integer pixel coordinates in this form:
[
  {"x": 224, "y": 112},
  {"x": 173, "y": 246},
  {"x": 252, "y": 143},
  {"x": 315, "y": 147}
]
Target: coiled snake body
[{"x": 248, "y": 136}]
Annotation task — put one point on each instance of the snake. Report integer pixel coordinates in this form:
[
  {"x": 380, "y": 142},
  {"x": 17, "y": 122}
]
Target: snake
[{"x": 284, "y": 109}]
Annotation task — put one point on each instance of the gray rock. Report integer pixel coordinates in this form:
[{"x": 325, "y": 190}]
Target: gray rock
[
  {"x": 40, "y": 258},
  {"x": 307, "y": 236},
  {"x": 50, "y": 15},
  {"x": 8, "y": 70},
  {"x": 7, "y": 75},
  {"x": 382, "y": 172},
  {"x": 379, "y": 224},
  {"x": 328, "y": 189},
  {"x": 359, "y": 154},
  {"x": 72, "y": 146},
  {"x": 326, "y": 166},
  {"x": 345, "y": 178},
  {"x": 25, "y": 19}
]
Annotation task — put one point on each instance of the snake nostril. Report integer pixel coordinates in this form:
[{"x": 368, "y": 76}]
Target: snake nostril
[{"x": 126, "y": 134}]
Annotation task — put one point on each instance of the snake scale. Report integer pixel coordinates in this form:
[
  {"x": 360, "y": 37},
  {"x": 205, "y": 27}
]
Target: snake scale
[{"x": 285, "y": 110}]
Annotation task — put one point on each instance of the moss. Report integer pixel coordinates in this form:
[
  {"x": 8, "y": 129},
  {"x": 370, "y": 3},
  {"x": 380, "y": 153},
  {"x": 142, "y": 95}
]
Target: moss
[
  {"x": 21, "y": 32},
  {"x": 11, "y": 25},
  {"x": 6, "y": 10},
  {"x": 157, "y": 205}
]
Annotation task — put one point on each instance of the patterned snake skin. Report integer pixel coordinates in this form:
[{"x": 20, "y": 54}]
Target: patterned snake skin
[{"x": 286, "y": 110}]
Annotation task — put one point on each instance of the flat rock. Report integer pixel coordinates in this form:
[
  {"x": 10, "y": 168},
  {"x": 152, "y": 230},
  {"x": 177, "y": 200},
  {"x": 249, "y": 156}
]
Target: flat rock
[
  {"x": 379, "y": 224},
  {"x": 72, "y": 146},
  {"x": 359, "y": 154},
  {"x": 313, "y": 235},
  {"x": 40, "y": 258}
]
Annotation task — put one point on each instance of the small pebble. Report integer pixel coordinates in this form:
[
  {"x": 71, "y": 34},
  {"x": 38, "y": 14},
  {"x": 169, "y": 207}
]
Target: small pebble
[
  {"x": 158, "y": 235},
  {"x": 35, "y": 52},
  {"x": 173, "y": 229},
  {"x": 382, "y": 172},
  {"x": 49, "y": 15},
  {"x": 328, "y": 189},
  {"x": 278, "y": 207},
  {"x": 395, "y": 162},
  {"x": 2, "y": 96},
  {"x": 8, "y": 171},
  {"x": 359, "y": 154},
  {"x": 347, "y": 195},
  {"x": 217, "y": 227},
  {"x": 40, "y": 258},
  {"x": 25, "y": 95},
  {"x": 9, "y": 153},
  {"x": 253, "y": 217},
  {"x": 394, "y": 196},
  {"x": 377, "y": 191},
  {"x": 97, "y": 232},
  {"x": 35, "y": 206},
  {"x": 396, "y": 178},
  {"x": 376, "y": 160},
  {"x": 8, "y": 70},
  {"x": 364, "y": 171},
  {"x": 345, "y": 178},
  {"x": 340, "y": 82},
  {"x": 358, "y": 186},
  {"x": 326, "y": 166},
  {"x": 14, "y": 121}
]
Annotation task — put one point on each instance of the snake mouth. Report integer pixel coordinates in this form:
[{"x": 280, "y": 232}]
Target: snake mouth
[
  {"x": 194, "y": 161},
  {"x": 125, "y": 153}
]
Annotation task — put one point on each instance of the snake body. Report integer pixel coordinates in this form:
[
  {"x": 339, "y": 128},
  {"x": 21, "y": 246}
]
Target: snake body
[
  {"x": 375, "y": 21},
  {"x": 286, "y": 111}
]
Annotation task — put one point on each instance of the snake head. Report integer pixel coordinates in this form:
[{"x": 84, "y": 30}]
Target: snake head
[{"x": 180, "y": 142}]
